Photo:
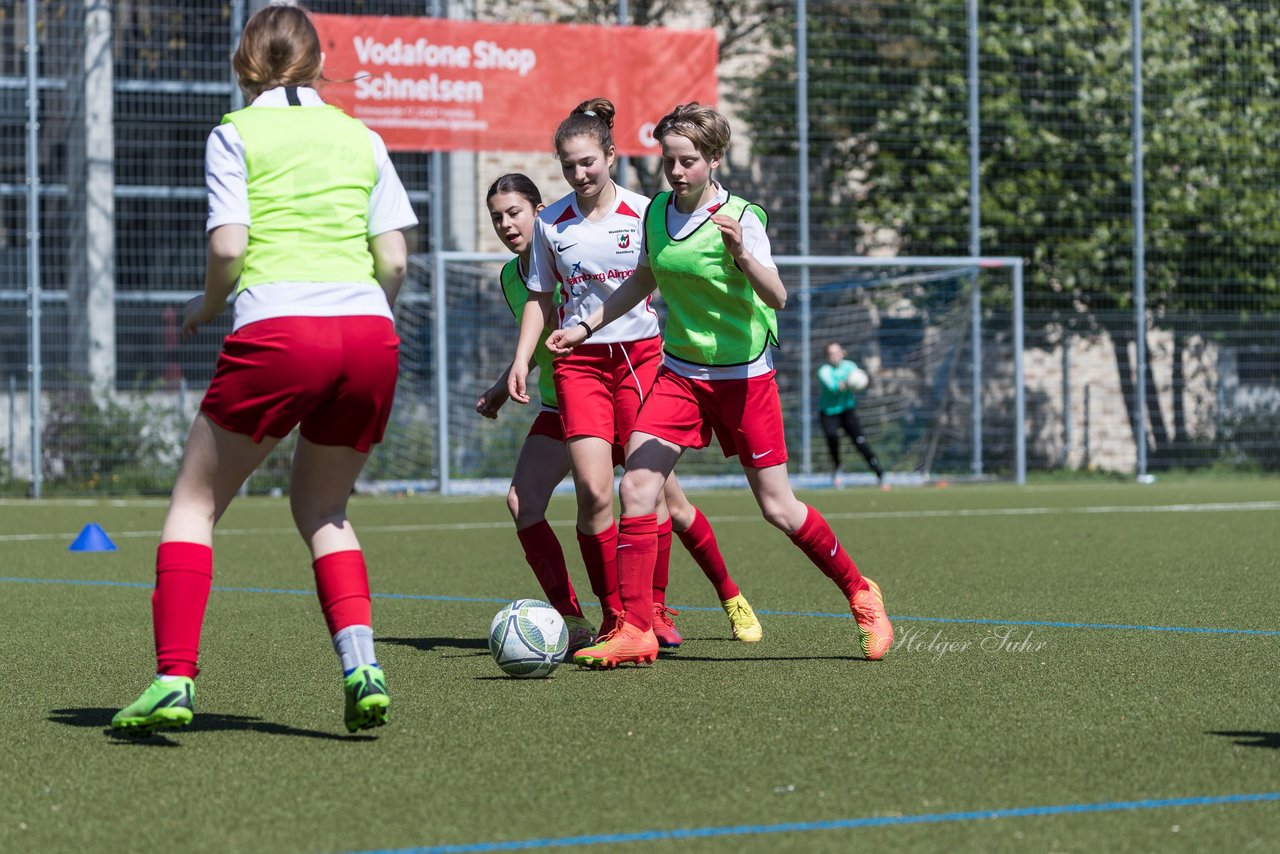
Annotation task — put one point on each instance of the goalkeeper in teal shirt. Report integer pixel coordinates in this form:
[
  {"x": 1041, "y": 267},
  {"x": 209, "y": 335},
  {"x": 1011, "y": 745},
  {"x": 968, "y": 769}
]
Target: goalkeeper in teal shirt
[{"x": 837, "y": 410}]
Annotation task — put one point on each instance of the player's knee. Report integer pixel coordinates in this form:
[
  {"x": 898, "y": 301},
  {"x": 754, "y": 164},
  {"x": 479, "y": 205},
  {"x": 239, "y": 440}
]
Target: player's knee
[
  {"x": 639, "y": 492},
  {"x": 525, "y": 509},
  {"x": 594, "y": 500},
  {"x": 778, "y": 513}
]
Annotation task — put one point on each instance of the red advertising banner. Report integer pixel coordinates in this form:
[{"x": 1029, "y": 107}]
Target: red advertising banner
[{"x": 429, "y": 84}]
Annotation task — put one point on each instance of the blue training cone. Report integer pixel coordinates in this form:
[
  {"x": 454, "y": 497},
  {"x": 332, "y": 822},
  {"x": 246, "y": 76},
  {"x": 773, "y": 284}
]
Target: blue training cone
[{"x": 92, "y": 539}]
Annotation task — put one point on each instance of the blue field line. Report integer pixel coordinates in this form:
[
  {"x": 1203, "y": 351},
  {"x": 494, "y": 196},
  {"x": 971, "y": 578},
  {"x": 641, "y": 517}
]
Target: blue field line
[
  {"x": 837, "y": 824},
  {"x": 423, "y": 597}
]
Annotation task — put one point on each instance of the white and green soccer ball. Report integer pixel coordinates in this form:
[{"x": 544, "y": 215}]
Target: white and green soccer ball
[
  {"x": 528, "y": 638},
  {"x": 859, "y": 379}
]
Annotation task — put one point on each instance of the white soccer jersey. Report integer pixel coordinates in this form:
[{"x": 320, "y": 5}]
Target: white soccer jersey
[{"x": 587, "y": 261}]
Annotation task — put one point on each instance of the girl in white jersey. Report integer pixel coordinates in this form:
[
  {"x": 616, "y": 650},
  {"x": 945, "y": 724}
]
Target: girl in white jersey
[
  {"x": 709, "y": 252},
  {"x": 305, "y": 213},
  {"x": 584, "y": 245},
  {"x": 514, "y": 202}
]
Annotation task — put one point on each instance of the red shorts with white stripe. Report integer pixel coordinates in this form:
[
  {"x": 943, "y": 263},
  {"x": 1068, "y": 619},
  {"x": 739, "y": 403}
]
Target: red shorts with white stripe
[
  {"x": 600, "y": 387},
  {"x": 335, "y": 376},
  {"x": 745, "y": 415}
]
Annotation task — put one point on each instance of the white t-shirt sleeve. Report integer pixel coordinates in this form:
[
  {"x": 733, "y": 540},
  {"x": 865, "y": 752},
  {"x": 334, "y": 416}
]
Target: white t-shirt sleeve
[
  {"x": 756, "y": 240},
  {"x": 226, "y": 178},
  {"x": 389, "y": 207},
  {"x": 542, "y": 276}
]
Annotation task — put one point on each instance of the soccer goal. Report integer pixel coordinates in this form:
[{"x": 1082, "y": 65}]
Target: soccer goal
[{"x": 941, "y": 338}]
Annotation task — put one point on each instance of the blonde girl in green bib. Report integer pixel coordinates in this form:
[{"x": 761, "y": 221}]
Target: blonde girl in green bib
[{"x": 708, "y": 252}]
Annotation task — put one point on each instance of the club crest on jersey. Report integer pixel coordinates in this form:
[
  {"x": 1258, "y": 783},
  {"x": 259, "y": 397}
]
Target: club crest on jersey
[{"x": 624, "y": 240}]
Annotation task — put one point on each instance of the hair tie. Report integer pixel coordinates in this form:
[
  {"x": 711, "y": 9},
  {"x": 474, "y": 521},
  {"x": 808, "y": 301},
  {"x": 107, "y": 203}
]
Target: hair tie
[{"x": 589, "y": 113}]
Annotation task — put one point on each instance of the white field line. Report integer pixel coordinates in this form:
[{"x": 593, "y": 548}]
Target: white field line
[{"x": 1220, "y": 507}]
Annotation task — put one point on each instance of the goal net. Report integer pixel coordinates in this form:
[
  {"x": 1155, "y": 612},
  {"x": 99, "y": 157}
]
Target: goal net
[{"x": 908, "y": 323}]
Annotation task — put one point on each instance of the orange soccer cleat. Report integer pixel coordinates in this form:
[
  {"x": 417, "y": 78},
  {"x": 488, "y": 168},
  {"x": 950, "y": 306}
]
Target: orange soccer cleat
[
  {"x": 625, "y": 643},
  {"x": 875, "y": 632}
]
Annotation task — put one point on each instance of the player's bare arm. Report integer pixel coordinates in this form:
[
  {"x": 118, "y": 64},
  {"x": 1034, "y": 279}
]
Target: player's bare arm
[
  {"x": 390, "y": 262},
  {"x": 539, "y": 313},
  {"x": 224, "y": 260},
  {"x": 765, "y": 281},
  {"x": 493, "y": 398},
  {"x": 637, "y": 286}
]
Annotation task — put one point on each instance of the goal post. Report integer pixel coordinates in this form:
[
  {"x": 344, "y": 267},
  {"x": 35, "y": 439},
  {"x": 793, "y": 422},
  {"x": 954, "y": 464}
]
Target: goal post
[{"x": 915, "y": 322}]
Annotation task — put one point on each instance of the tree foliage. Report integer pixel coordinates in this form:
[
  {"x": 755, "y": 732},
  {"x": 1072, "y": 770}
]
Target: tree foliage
[{"x": 890, "y": 149}]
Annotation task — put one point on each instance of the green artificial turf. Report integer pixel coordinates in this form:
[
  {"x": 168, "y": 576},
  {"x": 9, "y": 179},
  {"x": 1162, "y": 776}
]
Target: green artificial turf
[{"x": 785, "y": 745}]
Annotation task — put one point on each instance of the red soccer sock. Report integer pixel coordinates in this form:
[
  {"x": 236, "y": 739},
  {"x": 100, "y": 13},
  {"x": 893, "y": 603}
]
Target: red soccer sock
[
  {"x": 637, "y": 554},
  {"x": 816, "y": 539},
  {"x": 546, "y": 559},
  {"x": 184, "y": 576},
  {"x": 342, "y": 585},
  {"x": 662, "y": 568},
  {"x": 600, "y": 554},
  {"x": 700, "y": 540}
]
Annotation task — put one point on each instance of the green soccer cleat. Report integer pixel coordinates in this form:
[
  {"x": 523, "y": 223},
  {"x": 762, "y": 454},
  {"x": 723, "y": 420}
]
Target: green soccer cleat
[
  {"x": 581, "y": 634},
  {"x": 166, "y": 704},
  {"x": 367, "y": 700}
]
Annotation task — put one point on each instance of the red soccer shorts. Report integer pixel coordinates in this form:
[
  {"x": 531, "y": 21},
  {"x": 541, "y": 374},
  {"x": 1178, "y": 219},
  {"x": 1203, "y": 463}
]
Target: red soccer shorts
[
  {"x": 745, "y": 415},
  {"x": 547, "y": 424},
  {"x": 600, "y": 387},
  {"x": 336, "y": 376}
]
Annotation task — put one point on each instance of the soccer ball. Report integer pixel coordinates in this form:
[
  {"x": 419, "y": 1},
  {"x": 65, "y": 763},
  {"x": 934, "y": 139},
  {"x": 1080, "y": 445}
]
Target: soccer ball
[
  {"x": 528, "y": 639},
  {"x": 858, "y": 380}
]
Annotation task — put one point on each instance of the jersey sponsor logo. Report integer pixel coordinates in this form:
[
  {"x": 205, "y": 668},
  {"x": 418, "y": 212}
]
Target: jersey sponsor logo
[
  {"x": 560, "y": 247},
  {"x": 576, "y": 277},
  {"x": 755, "y": 456},
  {"x": 835, "y": 547}
]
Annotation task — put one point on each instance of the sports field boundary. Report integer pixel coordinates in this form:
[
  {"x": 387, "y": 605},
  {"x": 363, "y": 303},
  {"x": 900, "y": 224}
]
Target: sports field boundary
[
  {"x": 835, "y": 824},
  {"x": 962, "y": 513}
]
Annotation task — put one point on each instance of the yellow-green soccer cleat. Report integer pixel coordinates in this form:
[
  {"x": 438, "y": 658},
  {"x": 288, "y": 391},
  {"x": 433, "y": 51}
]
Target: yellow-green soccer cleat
[
  {"x": 581, "y": 634},
  {"x": 168, "y": 703},
  {"x": 746, "y": 627},
  {"x": 366, "y": 694}
]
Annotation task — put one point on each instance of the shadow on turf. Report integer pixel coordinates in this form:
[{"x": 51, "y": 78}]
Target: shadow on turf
[
  {"x": 429, "y": 644},
  {"x": 98, "y": 718},
  {"x": 1250, "y": 738}
]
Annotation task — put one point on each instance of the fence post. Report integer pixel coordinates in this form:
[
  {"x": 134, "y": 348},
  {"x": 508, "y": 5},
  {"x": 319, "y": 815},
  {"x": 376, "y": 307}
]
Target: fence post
[
  {"x": 1066, "y": 397},
  {"x": 1139, "y": 250},
  {"x": 34, "y": 295},
  {"x": 1085, "y": 438},
  {"x": 13, "y": 433},
  {"x": 975, "y": 239},
  {"x": 806, "y": 317}
]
